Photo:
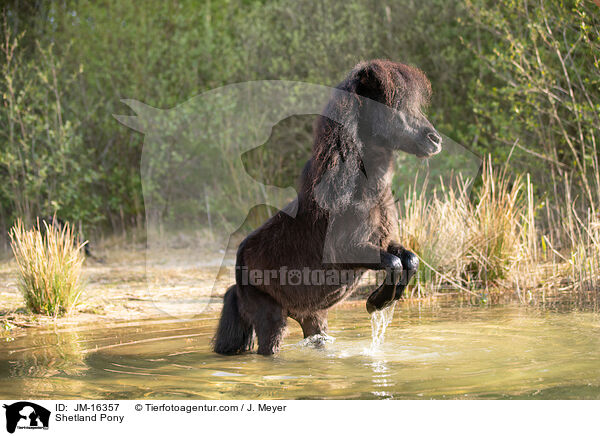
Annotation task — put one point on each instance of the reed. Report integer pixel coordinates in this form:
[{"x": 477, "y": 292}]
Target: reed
[
  {"x": 582, "y": 259},
  {"x": 497, "y": 238},
  {"x": 49, "y": 260},
  {"x": 496, "y": 225},
  {"x": 436, "y": 227},
  {"x": 469, "y": 242}
]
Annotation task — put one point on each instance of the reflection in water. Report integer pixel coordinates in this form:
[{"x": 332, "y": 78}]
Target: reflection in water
[
  {"x": 33, "y": 365},
  {"x": 48, "y": 355},
  {"x": 381, "y": 379},
  {"x": 435, "y": 351}
]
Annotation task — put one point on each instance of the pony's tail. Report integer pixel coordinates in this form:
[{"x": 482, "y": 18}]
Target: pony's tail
[{"x": 234, "y": 334}]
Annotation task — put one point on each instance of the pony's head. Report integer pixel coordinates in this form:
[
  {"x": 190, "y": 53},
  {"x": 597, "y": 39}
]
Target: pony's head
[{"x": 386, "y": 107}]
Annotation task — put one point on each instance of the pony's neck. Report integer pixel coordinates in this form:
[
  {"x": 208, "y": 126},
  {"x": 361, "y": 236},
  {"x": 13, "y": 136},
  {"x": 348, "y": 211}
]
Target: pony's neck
[{"x": 379, "y": 167}]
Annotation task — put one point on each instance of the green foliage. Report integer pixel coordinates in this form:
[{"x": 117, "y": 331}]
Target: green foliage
[
  {"x": 539, "y": 87},
  {"x": 42, "y": 154},
  {"x": 501, "y": 72}
]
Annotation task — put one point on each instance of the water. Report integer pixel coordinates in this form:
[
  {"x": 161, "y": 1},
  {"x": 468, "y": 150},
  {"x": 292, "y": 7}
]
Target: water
[
  {"x": 429, "y": 352},
  {"x": 379, "y": 322}
]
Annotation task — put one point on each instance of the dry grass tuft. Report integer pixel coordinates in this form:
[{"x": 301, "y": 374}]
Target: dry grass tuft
[
  {"x": 49, "y": 260},
  {"x": 463, "y": 243}
]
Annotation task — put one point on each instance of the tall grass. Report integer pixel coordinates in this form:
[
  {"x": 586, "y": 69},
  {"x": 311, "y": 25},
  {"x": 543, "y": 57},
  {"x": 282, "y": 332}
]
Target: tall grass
[
  {"x": 582, "y": 260},
  {"x": 493, "y": 236},
  {"x": 436, "y": 228},
  {"x": 466, "y": 243},
  {"x": 496, "y": 226},
  {"x": 49, "y": 260}
]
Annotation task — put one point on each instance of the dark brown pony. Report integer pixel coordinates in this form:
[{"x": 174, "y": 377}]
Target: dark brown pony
[{"x": 346, "y": 219}]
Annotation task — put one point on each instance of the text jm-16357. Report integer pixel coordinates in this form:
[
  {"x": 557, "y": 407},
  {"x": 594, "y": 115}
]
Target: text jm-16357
[{"x": 96, "y": 407}]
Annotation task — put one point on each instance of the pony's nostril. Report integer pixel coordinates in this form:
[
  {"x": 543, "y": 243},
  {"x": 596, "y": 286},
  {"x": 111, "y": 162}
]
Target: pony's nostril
[{"x": 435, "y": 138}]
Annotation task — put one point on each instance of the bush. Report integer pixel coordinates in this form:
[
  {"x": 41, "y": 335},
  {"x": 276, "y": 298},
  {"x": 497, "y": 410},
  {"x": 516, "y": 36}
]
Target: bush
[{"x": 49, "y": 259}]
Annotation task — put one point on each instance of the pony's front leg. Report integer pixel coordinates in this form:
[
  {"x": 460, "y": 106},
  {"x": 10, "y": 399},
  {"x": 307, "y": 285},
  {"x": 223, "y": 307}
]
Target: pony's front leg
[
  {"x": 385, "y": 294},
  {"x": 410, "y": 265},
  {"x": 365, "y": 255}
]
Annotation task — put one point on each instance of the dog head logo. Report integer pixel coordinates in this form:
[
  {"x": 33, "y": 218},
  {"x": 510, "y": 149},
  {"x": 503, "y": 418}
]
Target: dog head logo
[
  {"x": 26, "y": 415},
  {"x": 193, "y": 177},
  {"x": 191, "y": 166}
]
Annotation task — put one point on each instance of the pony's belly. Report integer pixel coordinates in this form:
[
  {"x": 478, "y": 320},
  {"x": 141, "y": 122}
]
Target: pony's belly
[{"x": 308, "y": 297}]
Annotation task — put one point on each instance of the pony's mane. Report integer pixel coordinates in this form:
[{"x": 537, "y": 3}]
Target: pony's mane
[{"x": 336, "y": 160}]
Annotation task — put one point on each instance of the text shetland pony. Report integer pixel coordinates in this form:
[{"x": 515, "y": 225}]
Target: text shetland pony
[{"x": 346, "y": 218}]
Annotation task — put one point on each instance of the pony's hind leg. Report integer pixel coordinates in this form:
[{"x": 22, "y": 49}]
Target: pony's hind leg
[
  {"x": 266, "y": 316},
  {"x": 314, "y": 327},
  {"x": 313, "y": 324}
]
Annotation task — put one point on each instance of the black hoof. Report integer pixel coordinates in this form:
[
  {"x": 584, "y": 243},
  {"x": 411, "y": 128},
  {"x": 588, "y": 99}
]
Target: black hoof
[
  {"x": 378, "y": 300},
  {"x": 410, "y": 261},
  {"x": 410, "y": 265}
]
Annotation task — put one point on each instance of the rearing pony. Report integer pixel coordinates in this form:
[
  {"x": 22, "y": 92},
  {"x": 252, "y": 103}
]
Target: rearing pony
[{"x": 346, "y": 217}]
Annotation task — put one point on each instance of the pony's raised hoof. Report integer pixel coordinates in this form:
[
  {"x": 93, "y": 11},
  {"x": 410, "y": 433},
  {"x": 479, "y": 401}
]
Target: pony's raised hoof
[{"x": 378, "y": 301}]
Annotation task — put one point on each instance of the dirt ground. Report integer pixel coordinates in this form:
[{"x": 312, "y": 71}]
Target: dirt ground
[{"x": 131, "y": 283}]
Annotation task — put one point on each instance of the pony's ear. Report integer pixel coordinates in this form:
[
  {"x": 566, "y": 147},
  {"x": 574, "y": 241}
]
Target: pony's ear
[
  {"x": 375, "y": 81},
  {"x": 368, "y": 83}
]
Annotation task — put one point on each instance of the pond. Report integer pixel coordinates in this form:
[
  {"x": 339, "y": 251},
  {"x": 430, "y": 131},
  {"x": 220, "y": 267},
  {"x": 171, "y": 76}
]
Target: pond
[{"x": 431, "y": 351}]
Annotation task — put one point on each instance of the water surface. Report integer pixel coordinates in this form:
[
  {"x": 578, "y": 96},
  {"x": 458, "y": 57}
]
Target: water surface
[{"x": 433, "y": 351}]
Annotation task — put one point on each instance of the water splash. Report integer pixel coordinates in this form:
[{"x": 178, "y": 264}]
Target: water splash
[
  {"x": 317, "y": 341},
  {"x": 379, "y": 322}
]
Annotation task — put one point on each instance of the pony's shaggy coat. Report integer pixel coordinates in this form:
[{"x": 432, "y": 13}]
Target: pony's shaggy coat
[{"x": 346, "y": 218}]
